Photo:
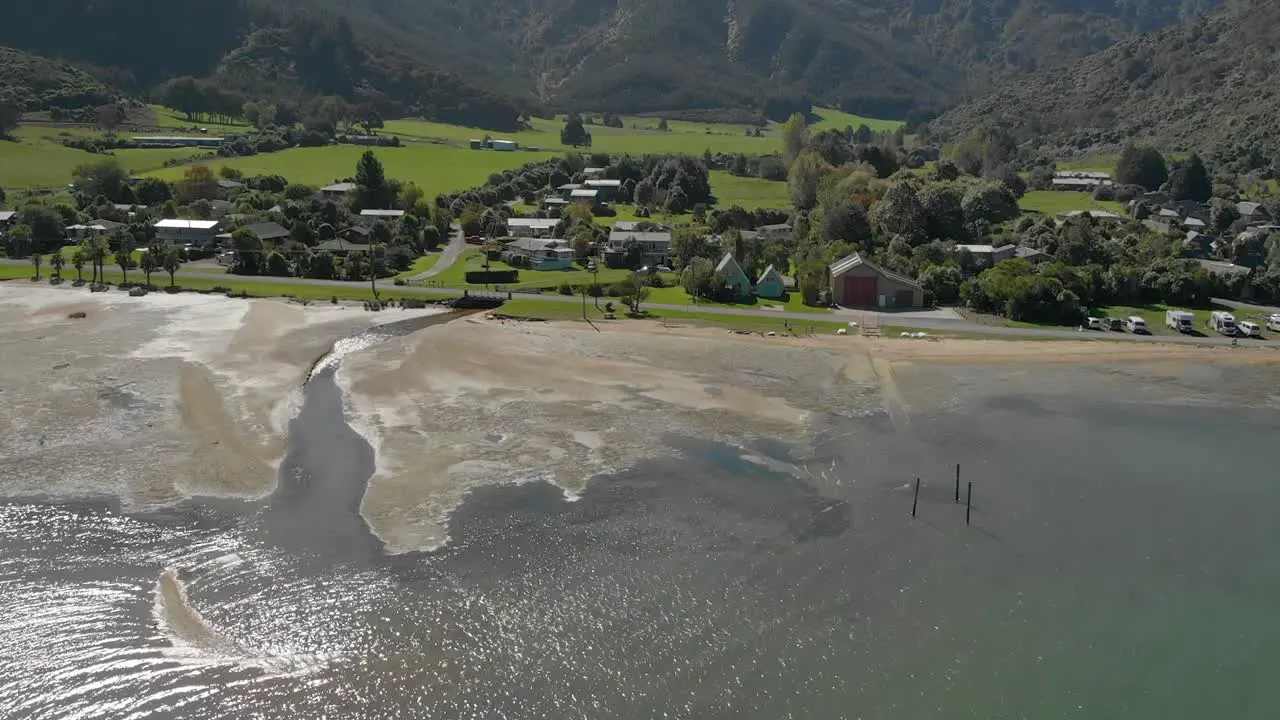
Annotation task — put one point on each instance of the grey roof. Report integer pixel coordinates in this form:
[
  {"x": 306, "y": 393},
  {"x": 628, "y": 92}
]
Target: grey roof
[
  {"x": 268, "y": 230},
  {"x": 581, "y": 193},
  {"x": 229, "y": 184},
  {"x": 1216, "y": 267},
  {"x": 540, "y": 244},
  {"x": 849, "y": 262},
  {"x": 381, "y": 213},
  {"x": 1155, "y": 225},
  {"x": 7, "y": 215},
  {"x": 603, "y": 183},
  {"x": 532, "y": 222},
  {"x": 570, "y": 186},
  {"x": 770, "y": 271},
  {"x": 632, "y": 225},
  {"x": 339, "y": 187},
  {"x": 1028, "y": 252},
  {"x": 617, "y": 236},
  {"x": 1249, "y": 208},
  {"x": 729, "y": 266},
  {"x": 337, "y": 244},
  {"x": 1193, "y": 222},
  {"x": 780, "y": 227},
  {"x": 1166, "y": 212}
]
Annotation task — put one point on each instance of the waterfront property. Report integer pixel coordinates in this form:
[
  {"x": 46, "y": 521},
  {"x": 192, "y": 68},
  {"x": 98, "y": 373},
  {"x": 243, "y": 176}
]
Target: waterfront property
[
  {"x": 655, "y": 247},
  {"x": 856, "y": 281},
  {"x": 539, "y": 253},
  {"x": 173, "y": 231},
  {"x": 771, "y": 285},
  {"x": 735, "y": 280},
  {"x": 267, "y": 231},
  {"x": 96, "y": 227},
  {"x": 531, "y": 227}
]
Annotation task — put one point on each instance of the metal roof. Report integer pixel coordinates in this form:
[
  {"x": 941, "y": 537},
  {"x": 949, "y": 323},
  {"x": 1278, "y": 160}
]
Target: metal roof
[{"x": 187, "y": 224}]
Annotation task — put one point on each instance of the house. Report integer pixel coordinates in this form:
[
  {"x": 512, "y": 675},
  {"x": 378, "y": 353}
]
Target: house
[
  {"x": 372, "y": 216},
  {"x": 634, "y": 225},
  {"x": 7, "y": 216},
  {"x": 341, "y": 246},
  {"x": 531, "y": 227},
  {"x": 988, "y": 255},
  {"x": 476, "y": 143},
  {"x": 1082, "y": 181},
  {"x": 1032, "y": 255},
  {"x": 503, "y": 145},
  {"x": 1193, "y": 224},
  {"x": 1253, "y": 213},
  {"x": 771, "y": 284},
  {"x": 655, "y": 247},
  {"x": 608, "y": 189},
  {"x": 735, "y": 279},
  {"x": 1169, "y": 214},
  {"x": 176, "y": 141},
  {"x": 856, "y": 281},
  {"x": 337, "y": 190},
  {"x": 173, "y": 231},
  {"x": 781, "y": 231},
  {"x": 1104, "y": 216},
  {"x": 1156, "y": 226},
  {"x": 127, "y": 208},
  {"x": 1216, "y": 267},
  {"x": 583, "y": 195},
  {"x": 551, "y": 201},
  {"x": 592, "y": 171},
  {"x": 95, "y": 227},
  {"x": 541, "y": 253},
  {"x": 230, "y": 184},
  {"x": 566, "y": 190},
  {"x": 355, "y": 235},
  {"x": 267, "y": 232}
]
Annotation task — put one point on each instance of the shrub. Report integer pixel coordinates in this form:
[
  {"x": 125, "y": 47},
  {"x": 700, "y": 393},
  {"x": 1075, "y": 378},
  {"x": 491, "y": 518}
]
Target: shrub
[
  {"x": 566, "y": 289},
  {"x": 595, "y": 290},
  {"x": 400, "y": 282},
  {"x": 655, "y": 280},
  {"x": 492, "y": 277}
]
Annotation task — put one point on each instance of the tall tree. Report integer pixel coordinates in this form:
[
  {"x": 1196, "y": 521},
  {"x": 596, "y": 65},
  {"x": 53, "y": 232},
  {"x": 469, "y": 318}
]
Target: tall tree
[
  {"x": 18, "y": 240},
  {"x": 78, "y": 260},
  {"x": 10, "y": 114},
  {"x": 105, "y": 177},
  {"x": 573, "y": 132},
  {"x": 377, "y": 265},
  {"x": 36, "y": 259},
  {"x": 198, "y": 183},
  {"x": 1143, "y": 166},
  {"x": 1190, "y": 180},
  {"x": 149, "y": 263},
  {"x": 795, "y": 134},
  {"x": 804, "y": 178},
  {"x": 56, "y": 261},
  {"x": 170, "y": 260},
  {"x": 123, "y": 242},
  {"x": 372, "y": 192}
]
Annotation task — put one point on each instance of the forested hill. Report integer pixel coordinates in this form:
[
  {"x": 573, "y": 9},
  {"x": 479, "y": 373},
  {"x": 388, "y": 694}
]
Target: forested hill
[
  {"x": 1211, "y": 82},
  {"x": 879, "y": 57},
  {"x": 36, "y": 82}
]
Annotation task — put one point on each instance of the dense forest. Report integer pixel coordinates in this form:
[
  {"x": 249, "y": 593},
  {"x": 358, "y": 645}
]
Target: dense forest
[
  {"x": 29, "y": 81},
  {"x": 877, "y": 57},
  {"x": 1206, "y": 84}
]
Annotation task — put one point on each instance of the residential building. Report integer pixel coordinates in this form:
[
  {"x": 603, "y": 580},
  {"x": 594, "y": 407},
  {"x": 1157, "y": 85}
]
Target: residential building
[
  {"x": 173, "y": 231},
  {"x": 593, "y": 171},
  {"x": 1216, "y": 267},
  {"x": 503, "y": 145},
  {"x": 531, "y": 227},
  {"x": 551, "y": 201},
  {"x": 1104, "y": 216},
  {"x": 608, "y": 189},
  {"x": 988, "y": 255},
  {"x": 355, "y": 235},
  {"x": 1082, "y": 181},
  {"x": 372, "y": 216},
  {"x": 7, "y": 216},
  {"x": 634, "y": 225},
  {"x": 267, "y": 232},
  {"x": 1253, "y": 213},
  {"x": 771, "y": 285},
  {"x": 781, "y": 231},
  {"x": 584, "y": 195},
  {"x": 230, "y": 185},
  {"x": 735, "y": 279},
  {"x": 1193, "y": 224},
  {"x": 541, "y": 253},
  {"x": 95, "y": 227},
  {"x": 856, "y": 281},
  {"x": 337, "y": 190},
  {"x": 176, "y": 141},
  {"x": 1032, "y": 255},
  {"x": 655, "y": 247},
  {"x": 342, "y": 246},
  {"x": 566, "y": 190}
]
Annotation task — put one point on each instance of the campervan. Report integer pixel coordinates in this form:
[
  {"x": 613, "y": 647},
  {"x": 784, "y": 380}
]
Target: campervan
[
  {"x": 1223, "y": 322},
  {"x": 1273, "y": 322},
  {"x": 1179, "y": 320},
  {"x": 1136, "y": 325}
]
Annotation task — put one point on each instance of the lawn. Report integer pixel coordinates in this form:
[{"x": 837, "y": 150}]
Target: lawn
[
  {"x": 1052, "y": 202},
  {"x": 39, "y": 159},
  {"x": 435, "y": 168},
  {"x": 675, "y": 295},
  {"x": 832, "y": 119},
  {"x": 421, "y": 265},
  {"x": 1154, "y": 315},
  {"x": 749, "y": 192},
  {"x": 172, "y": 119}
]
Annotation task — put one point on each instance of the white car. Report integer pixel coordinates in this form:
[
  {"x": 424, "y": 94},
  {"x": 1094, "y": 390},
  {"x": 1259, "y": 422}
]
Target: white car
[
  {"x": 1273, "y": 322},
  {"x": 1093, "y": 323},
  {"x": 1249, "y": 329}
]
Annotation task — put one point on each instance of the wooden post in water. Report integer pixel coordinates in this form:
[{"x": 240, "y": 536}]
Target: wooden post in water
[
  {"x": 957, "y": 483},
  {"x": 915, "y": 500},
  {"x": 968, "y": 507}
]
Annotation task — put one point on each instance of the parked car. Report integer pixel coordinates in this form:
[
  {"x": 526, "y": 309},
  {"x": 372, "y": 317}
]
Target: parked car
[
  {"x": 1136, "y": 325},
  {"x": 1248, "y": 329},
  {"x": 1110, "y": 323},
  {"x": 1093, "y": 323},
  {"x": 663, "y": 268},
  {"x": 1273, "y": 322}
]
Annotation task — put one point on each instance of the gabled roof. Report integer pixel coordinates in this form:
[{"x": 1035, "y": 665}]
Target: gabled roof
[
  {"x": 339, "y": 187},
  {"x": 268, "y": 230},
  {"x": 339, "y": 245},
  {"x": 229, "y": 184},
  {"x": 1249, "y": 208},
  {"x": 845, "y": 264},
  {"x": 187, "y": 224},
  {"x": 730, "y": 267},
  {"x": 547, "y": 223},
  {"x": 770, "y": 273},
  {"x": 583, "y": 193},
  {"x": 382, "y": 213},
  {"x": 603, "y": 183}
]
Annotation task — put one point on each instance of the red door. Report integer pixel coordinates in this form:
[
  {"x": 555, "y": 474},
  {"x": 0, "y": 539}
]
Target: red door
[{"x": 859, "y": 290}]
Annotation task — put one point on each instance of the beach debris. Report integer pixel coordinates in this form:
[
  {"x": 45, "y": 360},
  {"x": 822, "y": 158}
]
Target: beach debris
[
  {"x": 842, "y": 331},
  {"x": 771, "y": 334},
  {"x": 78, "y": 315},
  {"x": 137, "y": 292}
]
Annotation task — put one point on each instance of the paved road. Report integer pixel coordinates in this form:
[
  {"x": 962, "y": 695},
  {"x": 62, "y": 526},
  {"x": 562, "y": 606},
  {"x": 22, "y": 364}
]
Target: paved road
[
  {"x": 457, "y": 245},
  {"x": 915, "y": 322}
]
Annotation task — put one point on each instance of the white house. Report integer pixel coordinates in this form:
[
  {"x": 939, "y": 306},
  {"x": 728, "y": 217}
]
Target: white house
[
  {"x": 531, "y": 227},
  {"x": 173, "y": 231},
  {"x": 781, "y": 231},
  {"x": 542, "y": 253},
  {"x": 337, "y": 190},
  {"x": 655, "y": 247},
  {"x": 372, "y": 216},
  {"x": 503, "y": 145}
]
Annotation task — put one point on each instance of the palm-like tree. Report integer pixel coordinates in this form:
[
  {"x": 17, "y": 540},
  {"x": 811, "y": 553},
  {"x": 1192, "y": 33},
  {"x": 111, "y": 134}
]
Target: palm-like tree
[
  {"x": 170, "y": 261},
  {"x": 36, "y": 259},
  {"x": 98, "y": 251},
  {"x": 149, "y": 263},
  {"x": 56, "y": 261},
  {"x": 377, "y": 261},
  {"x": 78, "y": 260}
]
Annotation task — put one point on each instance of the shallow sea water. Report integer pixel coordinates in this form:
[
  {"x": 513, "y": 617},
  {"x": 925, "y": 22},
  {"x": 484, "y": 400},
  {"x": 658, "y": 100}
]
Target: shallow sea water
[{"x": 1120, "y": 563}]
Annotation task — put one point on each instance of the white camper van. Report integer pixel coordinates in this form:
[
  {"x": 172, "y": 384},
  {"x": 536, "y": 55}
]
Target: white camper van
[
  {"x": 1223, "y": 322},
  {"x": 1273, "y": 322},
  {"x": 1179, "y": 320},
  {"x": 1136, "y": 325},
  {"x": 1248, "y": 329}
]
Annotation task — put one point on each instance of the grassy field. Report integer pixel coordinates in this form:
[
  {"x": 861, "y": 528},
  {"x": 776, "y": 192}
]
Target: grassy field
[
  {"x": 551, "y": 310},
  {"x": 39, "y": 159},
  {"x": 421, "y": 265},
  {"x": 831, "y": 119},
  {"x": 435, "y": 168},
  {"x": 749, "y": 192},
  {"x": 169, "y": 118},
  {"x": 677, "y": 296},
  {"x": 1152, "y": 314},
  {"x": 1051, "y": 202}
]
